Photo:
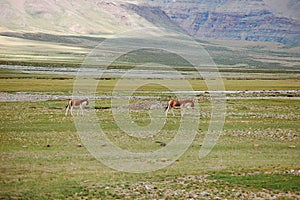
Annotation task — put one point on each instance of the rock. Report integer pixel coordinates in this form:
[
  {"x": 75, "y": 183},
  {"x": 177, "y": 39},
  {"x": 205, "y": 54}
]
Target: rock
[
  {"x": 204, "y": 194},
  {"x": 148, "y": 187},
  {"x": 163, "y": 144},
  {"x": 230, "y": 20}
]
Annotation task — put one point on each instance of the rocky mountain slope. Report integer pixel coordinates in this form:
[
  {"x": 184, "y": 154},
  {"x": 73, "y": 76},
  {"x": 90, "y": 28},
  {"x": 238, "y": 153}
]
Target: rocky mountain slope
[{"x": 252, "y": 20}]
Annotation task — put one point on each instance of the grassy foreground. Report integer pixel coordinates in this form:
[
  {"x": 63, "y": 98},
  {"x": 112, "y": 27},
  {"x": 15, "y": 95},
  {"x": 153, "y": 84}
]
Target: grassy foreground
[
  {"x": 256, "y": 155},
  {"x": 256, "y": 152},
  {"x": 42, "y": 156}
]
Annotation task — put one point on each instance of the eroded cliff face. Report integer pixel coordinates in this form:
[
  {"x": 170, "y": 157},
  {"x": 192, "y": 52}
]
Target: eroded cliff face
[{"x": 251, "y": 20}]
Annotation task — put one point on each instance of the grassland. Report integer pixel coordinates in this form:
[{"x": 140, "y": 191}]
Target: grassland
[
  {"x": 256, "y": 155},
  {"x": 258, "y": 148},
  {"x": 12, "y": 81},
  {"x": 38, "y": 49}
]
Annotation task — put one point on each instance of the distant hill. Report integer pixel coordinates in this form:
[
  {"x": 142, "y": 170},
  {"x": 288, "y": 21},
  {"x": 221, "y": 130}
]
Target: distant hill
[
  {"x": 84, "y": 17},
  {"x": 254, "y": 20},
  {"x": 251, "y": 20}
]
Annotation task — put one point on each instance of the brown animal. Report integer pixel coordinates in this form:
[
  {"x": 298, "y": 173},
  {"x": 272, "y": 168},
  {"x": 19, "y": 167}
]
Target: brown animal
[
  {"x": 179, "y": 104},
  {"x": 76, "y": 104}
]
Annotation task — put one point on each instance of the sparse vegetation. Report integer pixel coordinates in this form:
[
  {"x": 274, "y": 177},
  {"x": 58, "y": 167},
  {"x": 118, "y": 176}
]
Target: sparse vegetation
[
  {"x": 257, "y": 154},
  {"x": 41, "y": 158}
]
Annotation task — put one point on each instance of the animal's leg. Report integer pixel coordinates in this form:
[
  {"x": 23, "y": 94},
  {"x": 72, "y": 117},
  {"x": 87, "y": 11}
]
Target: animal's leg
[
  {"x": 182, "y": 112},
  {"x": 172, "y": 110},
  {"x": 167, "y": 110},
  {"x": 81, "y": 110},
  {"x": 71, "y": 110},
  {"x": 67, "y": 109}
]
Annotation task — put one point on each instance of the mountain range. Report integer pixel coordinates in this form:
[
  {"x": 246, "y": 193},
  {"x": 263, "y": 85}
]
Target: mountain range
[{"x": 250, "y": 20}]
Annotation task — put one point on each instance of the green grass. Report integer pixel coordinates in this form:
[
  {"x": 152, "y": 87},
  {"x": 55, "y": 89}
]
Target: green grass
[
  {"x": 285, "y": 84},
  {"x": 64, "y": 84},
  {"x": 260, "y": 142},
  {"x": 29, "y": 169},
  {"x": 281, "y": 182},
  {"x": 259, "y": 145},
  {"x": 15, "y": 74}
]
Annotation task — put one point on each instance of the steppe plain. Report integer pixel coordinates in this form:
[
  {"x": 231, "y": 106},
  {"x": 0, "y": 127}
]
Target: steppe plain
[{"x": 42, "y": 156}]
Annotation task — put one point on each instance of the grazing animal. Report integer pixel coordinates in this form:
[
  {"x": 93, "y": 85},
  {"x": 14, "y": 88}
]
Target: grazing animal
[
  {"x": 76, "y": 104},
  {"x": 179, "y": 104}
]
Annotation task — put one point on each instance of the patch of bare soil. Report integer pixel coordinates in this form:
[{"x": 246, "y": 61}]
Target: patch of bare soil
[
  {"x": 145, "y": 105},
  {"x": 261, "y": 94},
  {"x": 22, "y": 96}
]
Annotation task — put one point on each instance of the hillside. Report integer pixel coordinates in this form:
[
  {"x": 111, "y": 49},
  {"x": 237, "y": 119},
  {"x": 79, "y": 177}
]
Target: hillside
[
  {"x": 259, "y": 20},
  {"x": 257, "y": 35},
  {"x": 77, "y": 17}
]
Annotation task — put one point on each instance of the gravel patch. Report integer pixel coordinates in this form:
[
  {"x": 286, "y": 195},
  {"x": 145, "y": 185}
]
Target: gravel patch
[
  {"x": 185, "y": 187},
  {"x": 22, "y": 96},
  {"x": 289, "y": 94}
]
